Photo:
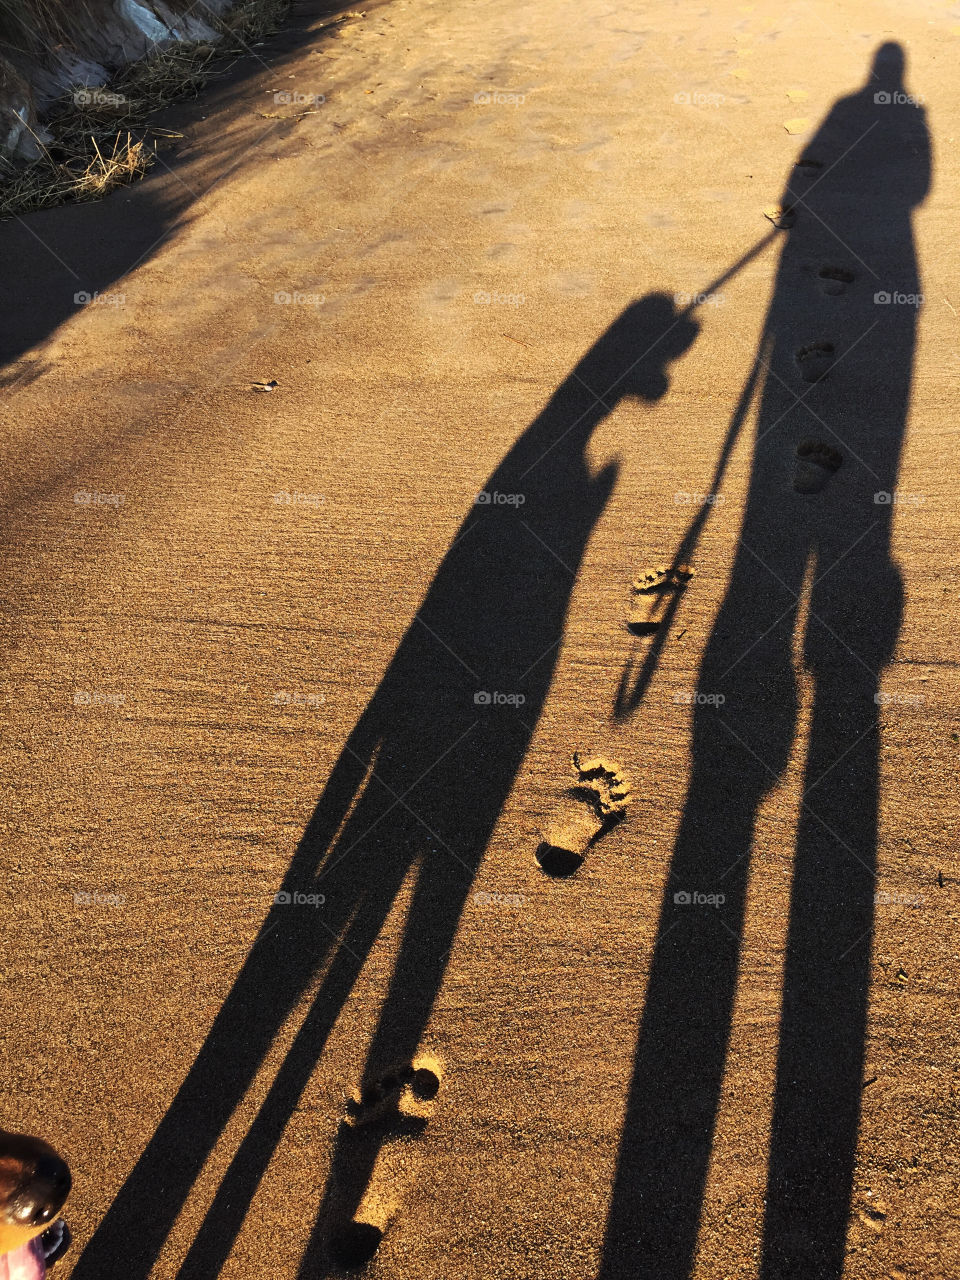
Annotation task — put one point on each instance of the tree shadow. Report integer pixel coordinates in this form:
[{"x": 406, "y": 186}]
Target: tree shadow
[
  {"x": 417, "y": 789},
  {"x": 54, "y": 258},
  {"x": 812, "y": 567}
]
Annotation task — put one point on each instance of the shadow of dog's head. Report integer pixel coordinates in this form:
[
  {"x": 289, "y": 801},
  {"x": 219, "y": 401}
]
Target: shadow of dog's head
[
  {"x": 34, "y": 1183},
  {"x": 633, "y": 356}
]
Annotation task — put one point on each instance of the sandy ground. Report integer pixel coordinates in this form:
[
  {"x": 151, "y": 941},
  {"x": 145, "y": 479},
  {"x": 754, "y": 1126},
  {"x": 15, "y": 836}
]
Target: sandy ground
[{"x": 222, "y": 608}]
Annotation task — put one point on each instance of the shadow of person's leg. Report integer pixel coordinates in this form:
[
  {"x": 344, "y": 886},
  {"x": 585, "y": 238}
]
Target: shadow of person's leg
[
  {"x": 292, "y": 944},
  {"x": 428, "y": 938},
  {"x": 135, "y": 1227},
  {"x": 826, "y": 985},
  {"x": 223, "y": 1220},
  {"x": 668, "y": 1127},
  {"x": 739, "y": 749}
]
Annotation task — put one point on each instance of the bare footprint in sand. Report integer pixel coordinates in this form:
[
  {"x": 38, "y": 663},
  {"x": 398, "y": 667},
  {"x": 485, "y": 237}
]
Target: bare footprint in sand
[
  {"x": 596, "y": 802},
  {"x": 808, "y": 166},
  {"x": 379, "y": 1121},
  {"x": 815, "y": 360},
  {"x": 834, "y": 280},
  {"x": 397, "y": 1096},
  {"x": 816, "y": 463},
  {"x": 653, "y": 594}
]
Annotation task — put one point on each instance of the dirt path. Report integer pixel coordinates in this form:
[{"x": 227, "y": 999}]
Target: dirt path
[{"x": 263, "y": 642}]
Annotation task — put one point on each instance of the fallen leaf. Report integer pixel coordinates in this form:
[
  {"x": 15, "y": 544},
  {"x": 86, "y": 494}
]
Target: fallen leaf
[{"x": 800, "y": 124}]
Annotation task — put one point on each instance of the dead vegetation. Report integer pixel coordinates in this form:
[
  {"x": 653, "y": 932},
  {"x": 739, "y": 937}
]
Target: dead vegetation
[{"x": 101, "y": 137}]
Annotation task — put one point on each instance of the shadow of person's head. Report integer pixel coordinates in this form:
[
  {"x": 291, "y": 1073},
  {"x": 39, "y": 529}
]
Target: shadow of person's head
[
  {"x": 631, "y": 358},
  {"x": 887, "y": 71},
  {"x": 865, "y": 167}
]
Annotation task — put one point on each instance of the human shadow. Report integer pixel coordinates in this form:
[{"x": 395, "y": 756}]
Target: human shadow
[
  {"x": 813, "y": 571},
  {"x": 416, "y": 791}
]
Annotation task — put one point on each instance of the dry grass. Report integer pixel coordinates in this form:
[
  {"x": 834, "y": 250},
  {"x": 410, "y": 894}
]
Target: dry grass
[
  {"x": 103, "y": 138},
  {"x": 127, "y": 161}
]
